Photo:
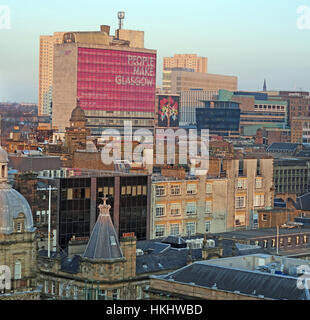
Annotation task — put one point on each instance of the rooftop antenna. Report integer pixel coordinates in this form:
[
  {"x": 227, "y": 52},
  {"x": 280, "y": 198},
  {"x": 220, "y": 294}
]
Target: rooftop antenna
[{"x": 121, "y": 17}]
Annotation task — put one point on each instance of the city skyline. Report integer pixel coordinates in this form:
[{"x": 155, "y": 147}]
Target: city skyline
[{"x": 231, "y": 36}]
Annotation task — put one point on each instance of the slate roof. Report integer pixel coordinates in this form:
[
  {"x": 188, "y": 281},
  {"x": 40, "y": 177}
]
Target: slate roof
[
  {"x": 154, "y": 246},
  {"x": 229, "y": 279},
  {"x": 285, "y": 147},
  {"x": 103, "y": 242},
  {"x": 71, "y": 265},
  {"x": 303, "y": 202},
  {"x": 163, "y": 257},
  {"x": 174, "y": 258},
  {"x": 303, "y": 154},
  {"x": 169, "y": 260},
  {"x": 175, "y": 241}
]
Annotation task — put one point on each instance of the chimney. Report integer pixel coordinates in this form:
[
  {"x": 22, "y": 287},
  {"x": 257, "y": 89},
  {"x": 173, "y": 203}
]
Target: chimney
[
  {"x": 105, "y": 28},
  {"x": 128, "y": 246}
]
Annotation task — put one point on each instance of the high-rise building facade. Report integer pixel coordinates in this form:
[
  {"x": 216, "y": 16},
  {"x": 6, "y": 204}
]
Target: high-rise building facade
[
  {"x": 179, "y": 79},
  {"x": 46, "y": 71},
  {"x": 298, "y": 102},
  {"x": 114, "y": 79},
  {"x": 191, "y": 61}
]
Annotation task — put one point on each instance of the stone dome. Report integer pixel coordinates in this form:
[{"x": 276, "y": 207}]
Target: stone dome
[
  {"x": 12, "y": 203},
  {"x": 77, "y": 114},
  {"x": 3, "y": 156}
]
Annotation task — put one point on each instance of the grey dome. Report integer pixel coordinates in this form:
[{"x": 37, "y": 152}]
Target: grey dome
[
  {"x": 3, "y": 156},
  {"x": 12, "y": 203}
]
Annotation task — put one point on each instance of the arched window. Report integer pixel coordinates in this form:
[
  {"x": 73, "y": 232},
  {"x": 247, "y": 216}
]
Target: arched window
[{"x": 18, "y": 270}]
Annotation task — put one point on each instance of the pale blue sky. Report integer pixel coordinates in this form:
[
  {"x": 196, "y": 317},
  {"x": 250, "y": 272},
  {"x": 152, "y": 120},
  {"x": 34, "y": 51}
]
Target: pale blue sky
[{"x": 252, "y": 39}]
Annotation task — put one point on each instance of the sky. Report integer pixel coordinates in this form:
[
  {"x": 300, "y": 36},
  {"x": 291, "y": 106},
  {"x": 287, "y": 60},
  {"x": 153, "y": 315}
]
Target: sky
[{"x": 252, "y": 40}]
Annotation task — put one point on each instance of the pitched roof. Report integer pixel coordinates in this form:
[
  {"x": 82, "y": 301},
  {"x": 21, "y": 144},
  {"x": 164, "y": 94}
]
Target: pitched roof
[
  {"x": 246, "y": 282},
  {"x": 282, "y": 147},
  {"x": 103, "y": 242},
  {"x": 303, "y": 202}
]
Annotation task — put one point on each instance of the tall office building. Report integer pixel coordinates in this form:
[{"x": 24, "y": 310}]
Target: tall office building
[
  {"x": 46, "y": 71},
  {"x": 191, "y": 61},
  {"x": 113, "y": 76}
]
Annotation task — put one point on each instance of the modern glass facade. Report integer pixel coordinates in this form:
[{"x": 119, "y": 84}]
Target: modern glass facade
[
  {"x": 79, "y": 198},
  {"x": 222, "y": 118},
  {"x": 133, "y": 206},
  {"x": 74, "y": 211}
]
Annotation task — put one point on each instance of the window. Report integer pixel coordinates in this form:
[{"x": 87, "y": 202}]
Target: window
[
  {"x": 175, "y": 190},
  {"x": 208, "y": 206},
  {"x": 61, "y": 287},
  {"x": 160, "y": 191},
  {"x": 191, "y": 208},
  {"x": 46, "y": 286},
  {"x": 160, "y": 210},
  {"x": 18, "y": 270},
  {"x": 305, "y": 238},
  {"x": 43, "y": 220},
  {"x": 190, "y": 228},
  {"x": 19, "y": 227},
  {"x": 175, "y": 209},
  {"x": 258, "y": 183},
  {"x": 258, "y": 168},
  {"x": 75, "y": 292},
  {"x": 139, "y": 190},
  {"x": 289, "y": 241},
  {"x": 259, "y": 200},
  {"x": 208, "y": 188},
  {"x": 273, "y": 243},
  {"x": 264, "y": 217},
  {"x": 191, "y": 189},
  {"x": 241, "y": 167},
  {"x": 53, "y": 287},
  {"x": 174, "y": 229},
  {"x": 115, "y": 294},
  {"x": 240, "y": 202},
  {"x": 159, "y": 230},
  {"x": 297, "y": 240},
  {"x": 70, "y": 194},
  {"x": 38, "y": 216},
  {"x": 67, "y": 291},
  {"x": 265, "y": 243},
  {"x": 281, "y": 242},
  {"x": 240, "y": 219},
  {"x": 102, "y": 295},
  {"x": 242, "y": 183},
  {"x": 138, "y": 292},
  {"x": 208, "y": 226}
]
